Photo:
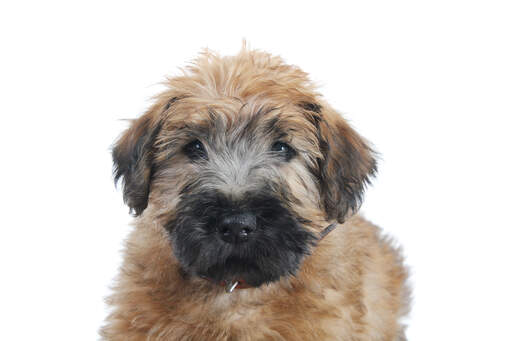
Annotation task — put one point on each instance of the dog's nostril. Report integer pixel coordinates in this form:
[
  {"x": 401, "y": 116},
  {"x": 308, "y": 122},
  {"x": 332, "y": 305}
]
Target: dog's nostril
[
  {"x": 225, "y": 231},
  {"x": 237, "y": 228}
]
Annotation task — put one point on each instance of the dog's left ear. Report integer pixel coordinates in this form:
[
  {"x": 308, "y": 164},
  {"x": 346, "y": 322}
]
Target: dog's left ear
[
  {"x": 346, "y": 166},
  {"x": 133, "y": 159}
]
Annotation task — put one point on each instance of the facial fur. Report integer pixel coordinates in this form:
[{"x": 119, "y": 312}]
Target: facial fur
[{"x": 248, "y": 141}]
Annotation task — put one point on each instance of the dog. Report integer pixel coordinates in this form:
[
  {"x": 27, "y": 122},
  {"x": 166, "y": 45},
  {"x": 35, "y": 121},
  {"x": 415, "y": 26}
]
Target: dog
[{"x": 245, "y": 185}]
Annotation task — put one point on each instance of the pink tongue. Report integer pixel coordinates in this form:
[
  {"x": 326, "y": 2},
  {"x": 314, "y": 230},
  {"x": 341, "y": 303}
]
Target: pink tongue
[{"x": 231, "y": 286}]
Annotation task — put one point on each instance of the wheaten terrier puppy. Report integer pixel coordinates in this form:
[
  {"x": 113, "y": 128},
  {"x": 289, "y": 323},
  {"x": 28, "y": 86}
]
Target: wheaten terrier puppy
[{"x": 245, "y": 185}]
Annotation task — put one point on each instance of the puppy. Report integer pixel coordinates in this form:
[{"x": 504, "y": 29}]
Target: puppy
[{"x": 245, "y": 185}]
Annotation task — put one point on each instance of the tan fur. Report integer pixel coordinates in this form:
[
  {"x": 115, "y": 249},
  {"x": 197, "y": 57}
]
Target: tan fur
[{"x": 351, "y": 287}]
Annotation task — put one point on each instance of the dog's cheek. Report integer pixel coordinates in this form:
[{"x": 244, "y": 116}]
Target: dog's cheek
[
  {"x": 287, "y": 243},
  {"x": 186, "y": 242},
  {"x": 193, "y": 244},
  {"x": 305, "y": 195}
]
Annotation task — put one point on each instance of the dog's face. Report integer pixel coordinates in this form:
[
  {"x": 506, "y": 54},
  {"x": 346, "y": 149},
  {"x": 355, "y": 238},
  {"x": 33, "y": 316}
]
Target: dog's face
[{"x": 242, "y": 164}]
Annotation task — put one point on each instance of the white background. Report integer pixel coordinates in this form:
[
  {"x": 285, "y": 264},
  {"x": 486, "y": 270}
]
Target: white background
[{"x": 429, "y": 83}]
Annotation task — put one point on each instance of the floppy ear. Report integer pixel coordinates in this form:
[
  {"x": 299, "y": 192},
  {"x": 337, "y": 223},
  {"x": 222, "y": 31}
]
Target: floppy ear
[
  {"x": 133, "y": 159},
  {"x": 346, "y": 166}
]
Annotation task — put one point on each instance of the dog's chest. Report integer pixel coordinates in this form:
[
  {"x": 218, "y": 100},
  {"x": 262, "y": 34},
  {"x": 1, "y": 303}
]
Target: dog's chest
[{"x": 273, "y": 319}]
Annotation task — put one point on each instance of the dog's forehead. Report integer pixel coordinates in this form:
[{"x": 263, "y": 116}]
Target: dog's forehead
[
  {"x": 239, "y": 88},
  {"x": 232, "y": 118}
]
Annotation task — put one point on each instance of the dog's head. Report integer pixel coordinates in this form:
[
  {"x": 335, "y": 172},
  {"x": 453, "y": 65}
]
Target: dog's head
[{"x": 243, "y": 163}]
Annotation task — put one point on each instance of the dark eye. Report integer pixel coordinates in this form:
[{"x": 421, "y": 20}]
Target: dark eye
[
  {"x": 195, "y": 150},
  {"x": 283, "y": 149}
]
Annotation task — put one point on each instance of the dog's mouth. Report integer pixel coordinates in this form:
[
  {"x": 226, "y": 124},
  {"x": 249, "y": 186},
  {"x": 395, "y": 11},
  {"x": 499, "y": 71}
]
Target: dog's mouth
[{"x": 244, "y": 271}]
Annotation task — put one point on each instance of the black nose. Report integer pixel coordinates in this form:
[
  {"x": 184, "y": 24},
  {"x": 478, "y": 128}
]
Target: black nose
[{"x": 237, "y": 228}]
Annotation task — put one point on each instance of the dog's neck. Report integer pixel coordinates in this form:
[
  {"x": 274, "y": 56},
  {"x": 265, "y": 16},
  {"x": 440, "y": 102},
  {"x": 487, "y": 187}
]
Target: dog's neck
[{"x": 230, "y": 286}]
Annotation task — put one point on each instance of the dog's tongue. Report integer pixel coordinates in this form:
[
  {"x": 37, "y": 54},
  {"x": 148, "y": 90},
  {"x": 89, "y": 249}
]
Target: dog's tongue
[{"x": 235, "y": 284}]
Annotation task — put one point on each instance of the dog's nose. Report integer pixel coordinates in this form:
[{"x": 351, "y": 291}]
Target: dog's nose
[{"x": 237, "y": 228}]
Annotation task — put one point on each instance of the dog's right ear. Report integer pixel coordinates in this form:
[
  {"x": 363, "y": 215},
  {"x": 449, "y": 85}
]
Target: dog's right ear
[{"x": 133, "y": 159}]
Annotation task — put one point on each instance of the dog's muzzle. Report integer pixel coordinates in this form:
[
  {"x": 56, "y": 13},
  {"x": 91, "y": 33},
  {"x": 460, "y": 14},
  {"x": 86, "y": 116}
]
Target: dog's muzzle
[{"x": 255, "y": 239}]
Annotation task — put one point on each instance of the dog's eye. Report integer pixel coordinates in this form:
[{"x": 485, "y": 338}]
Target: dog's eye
[
  {"x": 283, "y": 149},
  {"x": 195, "y": 150}
]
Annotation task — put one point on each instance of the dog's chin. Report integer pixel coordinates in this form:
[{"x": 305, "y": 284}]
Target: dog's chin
[{"x": 244, "y": 270}]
